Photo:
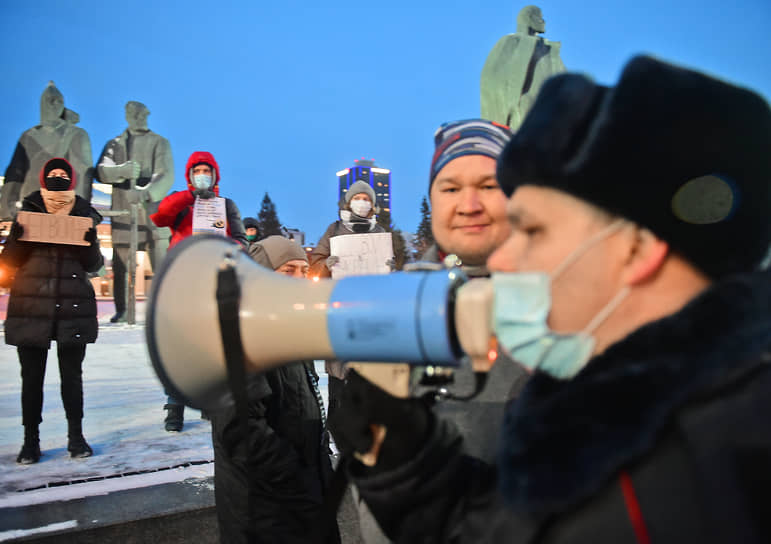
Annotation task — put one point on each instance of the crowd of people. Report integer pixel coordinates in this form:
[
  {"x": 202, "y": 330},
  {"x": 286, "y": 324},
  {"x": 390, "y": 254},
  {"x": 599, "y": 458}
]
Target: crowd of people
[{"x": 624, "y": 231}]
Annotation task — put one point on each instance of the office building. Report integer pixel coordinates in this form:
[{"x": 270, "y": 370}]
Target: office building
[{"x": 377, "y": 178}]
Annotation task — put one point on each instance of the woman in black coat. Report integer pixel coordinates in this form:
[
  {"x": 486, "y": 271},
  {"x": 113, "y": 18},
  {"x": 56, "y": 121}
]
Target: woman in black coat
[{"x": 52, "y": 299}]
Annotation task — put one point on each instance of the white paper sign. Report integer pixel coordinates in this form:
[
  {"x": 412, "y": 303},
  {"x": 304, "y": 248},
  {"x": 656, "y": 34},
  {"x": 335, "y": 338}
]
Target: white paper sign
[
  {"x": 209, "y": 215},
  {"x": 361, "y": 254}
]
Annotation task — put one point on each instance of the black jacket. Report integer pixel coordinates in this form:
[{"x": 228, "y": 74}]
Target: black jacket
[
  {"x": 51, "y": 296},
  {"x": 284, "y": 462},
  {"x": 664, "y": 436}
]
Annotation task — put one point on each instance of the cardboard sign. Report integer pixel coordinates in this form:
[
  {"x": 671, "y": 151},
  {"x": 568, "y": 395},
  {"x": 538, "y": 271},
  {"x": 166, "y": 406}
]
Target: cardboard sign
[
  {"x": 54, "y": 229},
  {"x": 210, "y": 215},
  {"x": 361, "y": 254}
]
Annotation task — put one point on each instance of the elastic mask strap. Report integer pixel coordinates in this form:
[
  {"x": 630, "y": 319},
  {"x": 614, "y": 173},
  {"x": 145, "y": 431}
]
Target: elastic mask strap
[
  {"x": 603, "y": 314},
  {"x": 583, "y": 247}
]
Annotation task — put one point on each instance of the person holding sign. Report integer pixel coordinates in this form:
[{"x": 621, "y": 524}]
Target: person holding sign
[
  {"x": 52, "y": 299},
  {"x": 357, "y": 216},
  {"x": 197, "y": 210},
  {"x": 200, "y": 208}
]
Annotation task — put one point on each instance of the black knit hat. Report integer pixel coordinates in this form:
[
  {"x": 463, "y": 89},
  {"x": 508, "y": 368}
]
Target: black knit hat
[
  {"x": 55, "y": 163},
  {"x": 251, "y": 223},
  {"x": 674, "y": 150}
]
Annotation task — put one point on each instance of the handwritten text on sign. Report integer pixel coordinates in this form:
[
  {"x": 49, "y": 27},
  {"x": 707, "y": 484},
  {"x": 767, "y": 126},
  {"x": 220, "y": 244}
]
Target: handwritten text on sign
[{"x": 54, "y": 229}]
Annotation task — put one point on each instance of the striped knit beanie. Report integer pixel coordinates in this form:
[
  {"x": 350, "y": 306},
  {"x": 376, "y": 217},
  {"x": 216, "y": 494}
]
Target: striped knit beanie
[{"x": 468, "y": 137}]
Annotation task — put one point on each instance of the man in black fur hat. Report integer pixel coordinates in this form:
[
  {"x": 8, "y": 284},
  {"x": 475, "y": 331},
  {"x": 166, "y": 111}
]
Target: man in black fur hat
[{"x": 631, "y": 289}]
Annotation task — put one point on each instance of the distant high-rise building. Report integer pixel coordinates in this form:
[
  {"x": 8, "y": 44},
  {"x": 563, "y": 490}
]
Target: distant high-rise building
[{"x": 365, "y": 170}]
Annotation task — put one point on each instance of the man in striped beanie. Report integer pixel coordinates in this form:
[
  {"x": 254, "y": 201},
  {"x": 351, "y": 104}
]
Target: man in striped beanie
[
  {"x": 467, "y": 206},
  {"x": 468, "y": 220}
]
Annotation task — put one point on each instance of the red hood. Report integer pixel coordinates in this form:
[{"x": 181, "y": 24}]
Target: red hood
[
  {"x": 199, "y": 157},
  {"x": 69, "y": 168}
]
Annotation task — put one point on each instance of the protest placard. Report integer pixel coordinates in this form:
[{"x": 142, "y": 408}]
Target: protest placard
[
  {"x": 361, "y": 254},
  {"x": 209, "y": 215},
  {"x": 54, "y": 229}
]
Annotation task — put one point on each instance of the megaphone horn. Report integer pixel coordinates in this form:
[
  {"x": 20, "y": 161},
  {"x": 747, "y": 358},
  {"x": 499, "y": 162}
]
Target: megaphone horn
[{"x": 396, "y": 317}]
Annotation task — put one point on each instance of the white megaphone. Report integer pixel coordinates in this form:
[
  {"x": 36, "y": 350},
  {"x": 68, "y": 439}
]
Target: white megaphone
[{"x": 398, "y": 317}]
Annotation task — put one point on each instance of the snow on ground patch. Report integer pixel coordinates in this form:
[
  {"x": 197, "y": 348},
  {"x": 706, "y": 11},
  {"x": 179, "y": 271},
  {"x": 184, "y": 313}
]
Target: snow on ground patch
[
  {"x": 19, "y": 533},
  {"x": 103, "y": 487},
  {"x": 123, "y": 405}
]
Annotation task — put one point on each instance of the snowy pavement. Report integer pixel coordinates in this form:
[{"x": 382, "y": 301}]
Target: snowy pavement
[{"x": 123, "y": 423}]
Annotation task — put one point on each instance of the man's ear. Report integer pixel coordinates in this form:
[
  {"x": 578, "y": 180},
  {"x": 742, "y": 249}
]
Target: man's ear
[{"x": 646, "y": 257}]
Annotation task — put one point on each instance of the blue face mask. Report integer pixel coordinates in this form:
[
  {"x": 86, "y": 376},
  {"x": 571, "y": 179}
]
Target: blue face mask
[
  {"x": 201, "y": 181},
  {"x": 521, "y": 306}
]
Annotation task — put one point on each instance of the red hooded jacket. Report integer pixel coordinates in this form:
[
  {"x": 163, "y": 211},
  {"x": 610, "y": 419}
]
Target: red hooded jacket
[{"x": 176, "y": 210}]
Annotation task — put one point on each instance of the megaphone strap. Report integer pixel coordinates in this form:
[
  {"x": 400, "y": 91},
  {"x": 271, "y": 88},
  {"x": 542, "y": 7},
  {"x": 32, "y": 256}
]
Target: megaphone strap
[{"x": 228, "y": 303}]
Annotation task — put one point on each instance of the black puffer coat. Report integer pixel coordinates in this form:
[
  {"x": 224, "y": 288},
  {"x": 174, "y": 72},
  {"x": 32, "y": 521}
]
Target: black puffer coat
[
  {"x": 283, "y": 463},
  {"x": 662, "y": 438},
  {"x": 52, "y": 297}
]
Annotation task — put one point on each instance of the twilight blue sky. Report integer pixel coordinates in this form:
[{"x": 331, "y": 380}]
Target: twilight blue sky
[{"x": 286, "y": 93}]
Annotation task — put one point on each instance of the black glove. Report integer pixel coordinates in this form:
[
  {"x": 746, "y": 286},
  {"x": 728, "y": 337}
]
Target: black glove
[
  {"x": 17, "y": 231},
  {"x": 204, "y": 193},
  {"x": 90, "y": 236},
  {"x": 407, "y": 421}
]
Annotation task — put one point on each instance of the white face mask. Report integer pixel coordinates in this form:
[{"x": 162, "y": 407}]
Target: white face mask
[
  {"x": 361, "y": 207},
  {"x": 521, "y": 306},
  {"x": 201, "y": 181}
]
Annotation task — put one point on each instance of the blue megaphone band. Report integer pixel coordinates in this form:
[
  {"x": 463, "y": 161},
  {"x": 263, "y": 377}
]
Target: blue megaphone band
[{"x": 405, "y": 316}]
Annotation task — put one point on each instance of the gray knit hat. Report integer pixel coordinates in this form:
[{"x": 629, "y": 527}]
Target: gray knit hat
[
  {"x": 274, "y": 251},
  {"x": 360, "y": 187}
]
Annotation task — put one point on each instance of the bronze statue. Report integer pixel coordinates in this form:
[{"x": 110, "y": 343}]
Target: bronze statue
[
  {"x": 145, "y": 156},
  {"x": 55, "y": 136},
  {"x": 516, "y": 68}
]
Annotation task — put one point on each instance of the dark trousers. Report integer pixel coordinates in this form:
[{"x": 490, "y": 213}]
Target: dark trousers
[
  {"x": 33, "y": 370},
  {"x": 119, "y": 280}
]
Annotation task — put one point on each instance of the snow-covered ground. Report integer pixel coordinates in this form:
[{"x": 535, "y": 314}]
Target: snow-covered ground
[{"x": 123, "y": 423}]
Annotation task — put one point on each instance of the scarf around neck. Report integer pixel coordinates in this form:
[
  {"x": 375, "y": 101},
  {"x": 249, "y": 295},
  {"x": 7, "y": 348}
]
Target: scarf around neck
[
  {"x": 357, "y": 224},
  {"x": 58, "y": 202}
]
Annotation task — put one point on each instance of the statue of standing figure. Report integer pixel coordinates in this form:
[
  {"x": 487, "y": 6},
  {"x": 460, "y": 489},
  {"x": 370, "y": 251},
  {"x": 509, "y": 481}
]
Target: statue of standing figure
[
  {"x": 55, "y": 136},
  {"x": 516, "y": 68},
  {"x": 140, "y": 154}
]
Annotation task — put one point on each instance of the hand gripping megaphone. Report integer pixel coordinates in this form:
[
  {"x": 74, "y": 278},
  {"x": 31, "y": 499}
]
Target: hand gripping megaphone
[{"x": 404, "y": 316}]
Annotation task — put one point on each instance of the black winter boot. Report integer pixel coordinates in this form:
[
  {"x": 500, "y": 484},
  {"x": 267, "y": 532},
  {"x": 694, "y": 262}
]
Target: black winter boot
[
  {"x": 175, "y": 417},
  {"x": 118, "y": 317},
  {"x": 76, "y": 444},
  {"x": 30, "y": 450}
]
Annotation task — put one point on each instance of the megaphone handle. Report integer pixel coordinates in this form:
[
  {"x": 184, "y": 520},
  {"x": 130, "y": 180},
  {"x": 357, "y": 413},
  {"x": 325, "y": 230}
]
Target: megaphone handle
[
  {"x": 394, "y": 378},
  {"x": 378, "y": 437}
]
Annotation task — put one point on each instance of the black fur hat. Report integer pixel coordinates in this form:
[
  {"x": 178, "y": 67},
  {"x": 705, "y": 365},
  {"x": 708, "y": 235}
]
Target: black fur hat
[{"x": 676, "y": 151}]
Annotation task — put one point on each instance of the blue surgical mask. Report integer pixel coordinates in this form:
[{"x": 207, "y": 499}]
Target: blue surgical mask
[
  {"x": 521, "y": 306},
  {"x": 201, "y": 181}
]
